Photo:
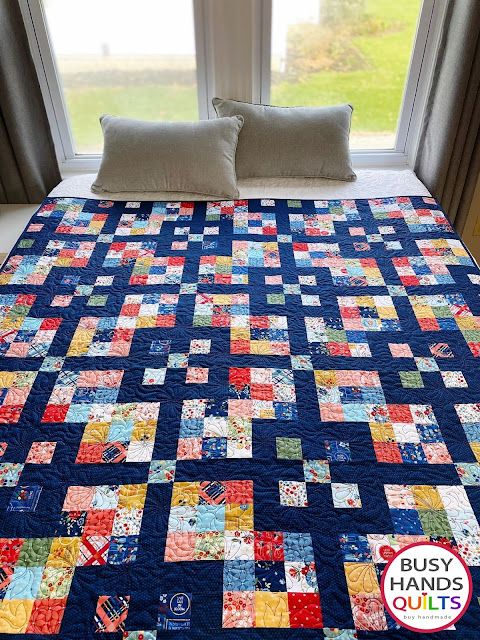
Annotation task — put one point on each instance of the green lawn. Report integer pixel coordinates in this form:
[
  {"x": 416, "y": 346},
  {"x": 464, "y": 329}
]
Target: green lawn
[
  {"x": 375, "y": 90},
  {"x": 146, "y": 102}
]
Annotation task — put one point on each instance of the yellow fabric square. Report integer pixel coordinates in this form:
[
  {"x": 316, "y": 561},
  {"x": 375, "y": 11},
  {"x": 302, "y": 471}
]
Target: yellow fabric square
[
  {"x": 361, "y": 578},
  {"x": 63, "y": 262},
  {"x": 185, "y": 494},
  {"x": 267, "y": 414},
  {"x": 423, "y": 311},
  {"x": 144, "y": 431},
  {"x": 146, "y": 322},
  {"x": 64, "y": 552},
  {"x": 96, "y": 432},
  {"x": 466, "y": 323},
  {"x": 271, "y": 610},
  {"x": 382, "y": 432},
  {"x": 14, "y": 615},
  {"x": 238, "y": 517},
  {"x": 387, "y": 313},
  {"x": 80, "y": 342},
  {"x": 426, "y": 497},
  {"x": 7, "y": 379},
  {"x": 261, "y": 347},
  {"x": 325, "y": 378},
  {"x": 239, "y": 334},
  {"x": 476, "y": 450},
  {"x": 132, "y": 496}
]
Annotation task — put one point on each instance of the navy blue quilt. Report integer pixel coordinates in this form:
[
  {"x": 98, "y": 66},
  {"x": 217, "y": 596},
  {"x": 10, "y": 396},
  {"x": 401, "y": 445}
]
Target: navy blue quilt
[{"x": 222, "y": 419}]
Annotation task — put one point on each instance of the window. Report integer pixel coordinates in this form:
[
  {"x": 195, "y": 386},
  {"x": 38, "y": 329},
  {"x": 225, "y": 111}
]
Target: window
[
  {"x": 135, "y": 59},
  {"x": 356, "y": 51},
  {"x": 166, "y": 59}
]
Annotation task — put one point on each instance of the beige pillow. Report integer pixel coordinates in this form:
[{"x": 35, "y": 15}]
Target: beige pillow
[
  {"x": 194, "y": 157},
  {"x": 303, "y": 142}
]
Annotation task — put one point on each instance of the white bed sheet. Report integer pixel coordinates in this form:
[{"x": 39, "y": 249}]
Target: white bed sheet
[{"x": 370, "y": 183}]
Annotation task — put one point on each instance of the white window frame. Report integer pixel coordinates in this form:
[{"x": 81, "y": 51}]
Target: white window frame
[
  {"x": 417, "y": 86},
  {"x": 51, "y": 86},
  {"x": 416, "y": 90}
]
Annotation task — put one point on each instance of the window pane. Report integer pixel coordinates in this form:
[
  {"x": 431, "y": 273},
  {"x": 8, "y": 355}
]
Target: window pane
[
  {"x": 134, "y": 59},
  {"x": 357, "y": 51}
]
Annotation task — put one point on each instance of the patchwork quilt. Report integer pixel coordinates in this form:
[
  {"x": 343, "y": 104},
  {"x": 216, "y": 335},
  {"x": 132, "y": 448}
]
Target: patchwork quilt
[{"x": 222, "y": 419}]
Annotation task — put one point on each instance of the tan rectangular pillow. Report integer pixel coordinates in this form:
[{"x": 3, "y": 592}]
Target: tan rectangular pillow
[
  {"x": 303, "y": 142},
  {"x": 194, "y": 157}
]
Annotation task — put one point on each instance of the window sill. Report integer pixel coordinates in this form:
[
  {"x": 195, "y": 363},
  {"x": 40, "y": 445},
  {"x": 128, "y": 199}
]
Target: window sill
[{"x": 387, "y": 159}]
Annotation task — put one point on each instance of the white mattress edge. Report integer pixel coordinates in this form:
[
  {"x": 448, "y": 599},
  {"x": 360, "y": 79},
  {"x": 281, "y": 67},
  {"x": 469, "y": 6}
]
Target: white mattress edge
[{"x": 370, "y": 183}]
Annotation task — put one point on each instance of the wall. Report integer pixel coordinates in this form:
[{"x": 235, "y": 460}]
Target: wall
[
  {"x": 234, "y": 53},
  {"x": 471, "y": 232}
]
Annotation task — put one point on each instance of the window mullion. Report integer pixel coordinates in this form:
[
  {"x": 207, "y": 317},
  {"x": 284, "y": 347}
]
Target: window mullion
[
  {"x": 49, "y": 80},
  {"x": 432, "y": 41},
  {"x": 204, "y": 60},
  {"x": 261, "y": 32},
  {"x": 413, "y": 75}
]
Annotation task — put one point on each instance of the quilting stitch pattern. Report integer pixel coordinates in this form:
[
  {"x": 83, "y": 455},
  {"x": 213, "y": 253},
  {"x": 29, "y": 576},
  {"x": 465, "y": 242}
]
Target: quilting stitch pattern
[{"x": 229, "y": 415}]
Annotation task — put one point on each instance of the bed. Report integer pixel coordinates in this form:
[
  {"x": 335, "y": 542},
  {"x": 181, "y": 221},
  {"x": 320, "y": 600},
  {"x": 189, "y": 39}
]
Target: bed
[{"x": 223, "y": 418}]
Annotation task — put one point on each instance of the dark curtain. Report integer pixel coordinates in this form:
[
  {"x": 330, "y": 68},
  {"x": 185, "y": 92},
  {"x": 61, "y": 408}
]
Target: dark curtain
[
  {"x": 448, "y": 160},
  {"x": 28, "y": 165}
]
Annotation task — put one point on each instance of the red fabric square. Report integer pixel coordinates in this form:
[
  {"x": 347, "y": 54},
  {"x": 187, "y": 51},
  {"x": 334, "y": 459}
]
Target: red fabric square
[
  {"x": 89, "y": 452},
  {"x": 305, "y": 611},
  {"x": 10, "y": 413},
  {"x": 51, "y": 323},
  {"x": 123, "y": 335},
  {"x": 268, "y": 545},
  {"x": 261, "y": 391},
  {"x": 300, "y": 246},
  {"x": 165, "y": 321},
  {"x": 239, "y": 491},
  {"x": 259, "y": 322},
  {"x": 350, "y": 312},
  {"x": 131, "y": 310},
  {"x": 10, "y": 550},
  {"x": 387, "y": 452},
  {"x": 338, "y": 349},
  {"x": 239, "y": 377},
  {"x": 400, "y": 413},
  {"x": 55, "y": 413},
  {"x": 27, "y": 299},
  {"x": 428, "y": 324},
  {"x": 474, "y": 348},
  {"x": 99, "y": 522},
  {"x": 79, "y": 262},
  {"x": 240, "y": 346},
  {"x": 46, "y": 616},
  {"x": 220, "y": 319}
]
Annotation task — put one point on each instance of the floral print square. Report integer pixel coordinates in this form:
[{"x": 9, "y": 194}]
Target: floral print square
[{"x": 293, "y": 494}]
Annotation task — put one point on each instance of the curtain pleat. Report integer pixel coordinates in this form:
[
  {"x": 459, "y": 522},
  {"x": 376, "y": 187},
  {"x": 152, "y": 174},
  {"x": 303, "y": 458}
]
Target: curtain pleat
[
  {"x": 448, "y": 159},
  {"x": 28, "y": 165}
]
